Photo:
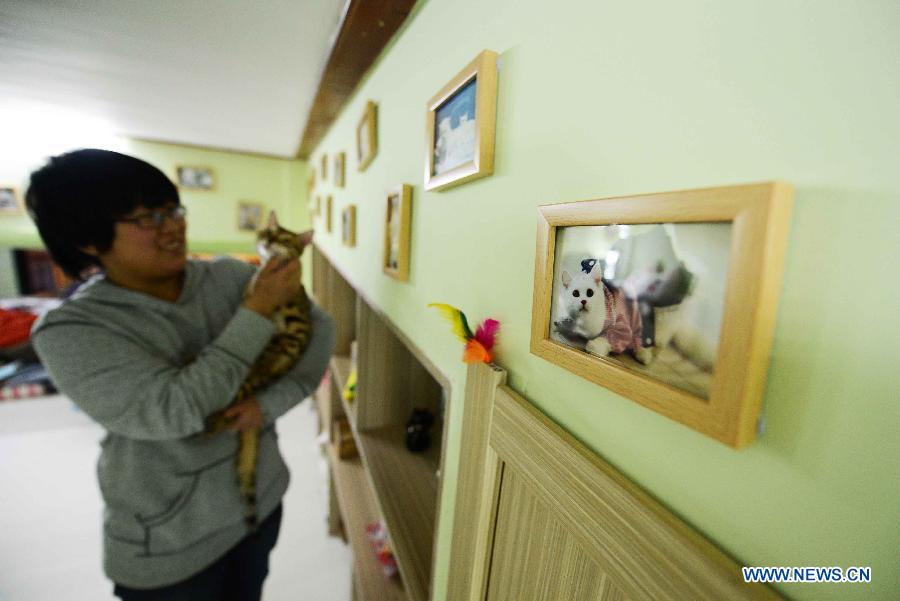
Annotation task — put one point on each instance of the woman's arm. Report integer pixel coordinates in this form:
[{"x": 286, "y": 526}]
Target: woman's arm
[{"x": 133, "y": 392}]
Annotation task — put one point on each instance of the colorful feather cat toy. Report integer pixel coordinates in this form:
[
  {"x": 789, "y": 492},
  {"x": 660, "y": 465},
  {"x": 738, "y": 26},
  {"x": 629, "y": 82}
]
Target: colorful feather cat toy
[{"x": 479, "y": 344}]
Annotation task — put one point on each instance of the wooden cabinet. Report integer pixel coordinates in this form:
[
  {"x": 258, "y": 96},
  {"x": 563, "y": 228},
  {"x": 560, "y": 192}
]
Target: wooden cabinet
[{"x": 386, "y": 481}]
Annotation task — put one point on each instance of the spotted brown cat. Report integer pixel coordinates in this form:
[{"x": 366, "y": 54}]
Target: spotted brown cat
[{"x": 287, "y": 344}]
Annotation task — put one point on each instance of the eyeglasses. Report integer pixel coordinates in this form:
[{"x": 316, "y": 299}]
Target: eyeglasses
[{"x": 154, "y": 219}]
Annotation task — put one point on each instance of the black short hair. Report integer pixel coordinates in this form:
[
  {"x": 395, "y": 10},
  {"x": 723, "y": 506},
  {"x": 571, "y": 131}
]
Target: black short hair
[{"x": 76, "y": 198}]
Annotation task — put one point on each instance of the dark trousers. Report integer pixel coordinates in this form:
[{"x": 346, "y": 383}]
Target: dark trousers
[{"x": 237, "y": 576}]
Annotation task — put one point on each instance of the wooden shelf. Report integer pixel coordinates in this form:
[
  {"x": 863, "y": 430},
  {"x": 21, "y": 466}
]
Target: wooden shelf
[
  {"x": 406, "y": 488},
  {"x": 340, "y": 373},
  {"x": 358, "y": 509},
  {"x": 403, "y": 488}
]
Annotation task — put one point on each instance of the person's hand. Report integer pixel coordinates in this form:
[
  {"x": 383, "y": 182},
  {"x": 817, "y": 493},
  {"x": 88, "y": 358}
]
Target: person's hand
[
  {"x": 245, "y": 415},
  {"x": 277, "y": 283}
]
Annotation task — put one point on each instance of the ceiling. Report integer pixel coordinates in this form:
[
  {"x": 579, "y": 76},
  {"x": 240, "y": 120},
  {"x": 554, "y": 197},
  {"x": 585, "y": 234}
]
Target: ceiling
[{"x": 229, "y": 74}]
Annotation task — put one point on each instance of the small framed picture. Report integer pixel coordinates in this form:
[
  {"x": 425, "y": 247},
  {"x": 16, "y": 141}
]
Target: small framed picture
[
  {"x": 367, "y": 136},
  {"x": 249, "y": 216},
  {"x": 667, "y": 299},
  {"x": 323, "y": 167},
  {"x": 195, "y": 178},
  {"x": 339, "y": 160},
  {"x": 459, "y": 125},
  {"x": 398, "y": 212},
  {"x": 348, "y": 226},
  {"x": 329, "y": 205},
  {"x": 9, "y": 201}
]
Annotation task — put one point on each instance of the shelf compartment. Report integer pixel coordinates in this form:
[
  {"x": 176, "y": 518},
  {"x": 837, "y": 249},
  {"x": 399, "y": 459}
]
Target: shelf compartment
[
  {"x": 406, "y": 487},
  {"x": 340, "y": 372},
  {"x": 358, "y": 509}
]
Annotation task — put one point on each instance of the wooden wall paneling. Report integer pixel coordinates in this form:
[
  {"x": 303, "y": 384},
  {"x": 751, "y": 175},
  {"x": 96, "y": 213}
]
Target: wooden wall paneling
[
  {"x": 551, "y": 519},
  {"x": 366, "y": 28},
  {"x": 481, "y": 384}
]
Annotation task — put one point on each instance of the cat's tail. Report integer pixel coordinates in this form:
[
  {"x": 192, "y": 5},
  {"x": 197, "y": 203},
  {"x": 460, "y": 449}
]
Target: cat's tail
[{"x": 246, "y": 469}]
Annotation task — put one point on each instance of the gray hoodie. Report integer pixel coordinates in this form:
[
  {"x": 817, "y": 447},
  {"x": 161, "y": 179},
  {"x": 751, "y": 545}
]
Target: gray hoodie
[{"x": 150, "y": 371}]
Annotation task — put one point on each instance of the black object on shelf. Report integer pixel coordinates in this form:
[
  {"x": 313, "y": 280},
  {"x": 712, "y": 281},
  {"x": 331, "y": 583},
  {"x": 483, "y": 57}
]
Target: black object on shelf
[{"x": 418, "y": 430}]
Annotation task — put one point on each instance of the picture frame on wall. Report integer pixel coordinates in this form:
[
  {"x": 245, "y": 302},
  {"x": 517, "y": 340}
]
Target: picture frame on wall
[
  {"x": 367, "y": 136},
  {"x": 329, "y": 206},
  {"x": 397, "y": 226},
  {"x": 10, "y": 203},
  {"x": 192, "y": 177},
  {"x": 340, "y": 159},
  {"x": 348, "y": 226},
  {"x": 460, "y": 124},
  {"x": 667, "y": 299},
  {"x": 249, "y": 216}
]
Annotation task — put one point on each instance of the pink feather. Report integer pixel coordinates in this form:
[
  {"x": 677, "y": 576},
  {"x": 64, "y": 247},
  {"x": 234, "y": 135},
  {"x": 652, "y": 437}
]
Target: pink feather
[{"x": 486, "y": 333}]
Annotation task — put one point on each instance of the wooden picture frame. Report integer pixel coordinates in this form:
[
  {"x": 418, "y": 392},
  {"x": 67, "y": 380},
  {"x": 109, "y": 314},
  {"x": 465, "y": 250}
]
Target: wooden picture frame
[
  {"x": 249, "y": 216},
  {"x": 457, "y": 149},
  {"x": 348, "y": 226},
  {"x": 194, "y": 177},
  {"x": 397, "y": 229},
  {"x": 329, "y": 206},
  {"x": 720, "y": 248},
  {"x": 367, "y": 136},
  {"x": 340, "y": 160},
  {"x": 323, "y": 167},
  {"x": 10, "y": 202}
]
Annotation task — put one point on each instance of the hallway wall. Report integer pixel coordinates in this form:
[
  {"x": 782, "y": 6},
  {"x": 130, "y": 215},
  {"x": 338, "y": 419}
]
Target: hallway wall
[{"x": 602, "y": 99}]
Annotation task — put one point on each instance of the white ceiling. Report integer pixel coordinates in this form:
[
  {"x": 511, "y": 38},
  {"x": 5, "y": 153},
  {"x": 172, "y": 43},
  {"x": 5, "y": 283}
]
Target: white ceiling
[{"x": 230, "y": 74}]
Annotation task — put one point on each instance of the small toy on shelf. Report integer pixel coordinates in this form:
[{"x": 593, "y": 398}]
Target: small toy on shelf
[
  {"x": 378, "y": 537},
  {"x": 478, "y": 345},
  {"x": 349, "y": 391},
  {"x": 418, "y": 436},
  {"x": 342, "y": 436}
]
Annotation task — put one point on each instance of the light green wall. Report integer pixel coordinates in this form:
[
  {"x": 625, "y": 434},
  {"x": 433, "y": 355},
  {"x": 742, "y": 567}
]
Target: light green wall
[
  {"x": 602, "y": 99},
  {"x": 278, "y": 184}
]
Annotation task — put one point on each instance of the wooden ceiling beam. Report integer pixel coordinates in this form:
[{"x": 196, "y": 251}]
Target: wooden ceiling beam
[{"x": 366, "y": 28}]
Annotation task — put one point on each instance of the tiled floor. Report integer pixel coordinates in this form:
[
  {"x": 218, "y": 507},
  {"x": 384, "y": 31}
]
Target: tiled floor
[{"x": 50, "y": 510}]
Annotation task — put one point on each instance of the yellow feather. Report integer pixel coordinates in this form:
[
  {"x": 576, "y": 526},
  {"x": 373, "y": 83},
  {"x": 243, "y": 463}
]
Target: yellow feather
[{"x": 456, "y": 319}]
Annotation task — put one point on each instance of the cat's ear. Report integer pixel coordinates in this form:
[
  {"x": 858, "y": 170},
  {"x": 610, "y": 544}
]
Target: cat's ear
[
  {"x": 305, "y": 238},
  {"x": 566, "y": 279},
  {"x": 273, "y": 220}
]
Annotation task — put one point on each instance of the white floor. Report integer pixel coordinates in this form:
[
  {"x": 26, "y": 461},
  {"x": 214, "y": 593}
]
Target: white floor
[{"x": 50, "y": 510}]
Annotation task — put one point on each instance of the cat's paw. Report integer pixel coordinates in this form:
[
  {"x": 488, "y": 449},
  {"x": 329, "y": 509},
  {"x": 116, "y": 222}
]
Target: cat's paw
[
  {"x": 644, "y": 355},
  {"x": 598, "y": 346},
  {"x": 215, "y": 423}
]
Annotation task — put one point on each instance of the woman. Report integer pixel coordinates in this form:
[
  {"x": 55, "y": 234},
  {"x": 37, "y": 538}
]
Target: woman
[{"x": 149, "y": 347}]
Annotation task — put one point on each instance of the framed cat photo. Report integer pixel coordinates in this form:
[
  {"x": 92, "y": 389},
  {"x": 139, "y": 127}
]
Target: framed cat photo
[
  {"x": 195, "y": 178},
  {"x": 397, "y": 222},
  {"x": 367, "y": 136},
  {"x": 10, "y": 204},
  {"x": 329, "y": 205},
  {"x": 459, "y": 126},
  {"x": 667, "y": 299},
  {"x": 348, "y": 226},
  {"x": 339, "y": 161},
  {"x": 249, "y": 216}
]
